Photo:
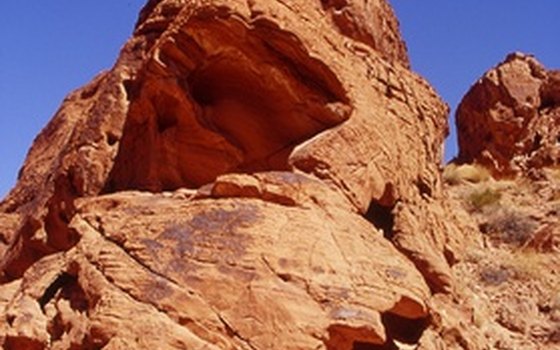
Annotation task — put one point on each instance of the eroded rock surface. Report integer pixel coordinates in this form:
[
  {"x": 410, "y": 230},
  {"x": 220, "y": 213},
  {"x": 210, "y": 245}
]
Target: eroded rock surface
[
  {"x": 509, "y": 120},
  {"x": 249, "y": 175},
  {"x": 229, "y": 273}
]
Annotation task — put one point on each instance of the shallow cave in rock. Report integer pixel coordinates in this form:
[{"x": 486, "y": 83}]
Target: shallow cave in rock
[
  {"x": 404, "y": 330},
  {"x": 258, "y": 119},
  {"x": 239, "y": 105},
  {"x": 399, "y": 329},
  {"x": 65, "y": 286},
  {"x": 382, "y": 218}
]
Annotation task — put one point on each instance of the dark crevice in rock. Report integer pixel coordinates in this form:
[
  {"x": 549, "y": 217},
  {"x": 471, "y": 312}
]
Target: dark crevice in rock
[
  {"x": 450, "y": 256},
  {"x": 547, "y": 103},
  {"x": 131, "y": 88},
  {"x": 10, "y": 319},
  {"x": 550, "y": 91},
  {"x": 424, "y": 188},
  {"x": 537, "y": 140},
  {"x": 398, "y": 329},
  {"x": 382, "y": 218},
  {"x": 111, "y": 138},
  {"x": 66, "y": 286},
  {"x": 336, "y": 4},
  {"x": 62, "y": 280},
  {"x": 56, "y": 328},
  {"x": 402, "y": 329},
  {"x": 369, "y": 346}
]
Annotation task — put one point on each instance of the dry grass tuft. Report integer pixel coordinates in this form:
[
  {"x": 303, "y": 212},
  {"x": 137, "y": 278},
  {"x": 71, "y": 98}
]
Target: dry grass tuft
[
  {"x": 479, "y": 199},
  {"x": 527, "y": 264},
  {"x": 494, "y": 276},
  {"x": 455, "y": 174}
]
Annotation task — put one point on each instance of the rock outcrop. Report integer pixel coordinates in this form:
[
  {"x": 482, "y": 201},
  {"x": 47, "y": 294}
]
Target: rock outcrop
[
  {"x": 249, "y": 175},
  {"x": 509, "y": 288},
  {"x": 509, "y": 121},
  {"x": 508, "y": 125}
]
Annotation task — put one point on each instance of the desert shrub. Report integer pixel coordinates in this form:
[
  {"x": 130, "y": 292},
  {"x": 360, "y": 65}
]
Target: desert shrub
[
  {"x": 511, "y": 227},
  {"x": 494, "y": 276},
  {"x": 455, "y": 174},
  {"x": 527, "y": 264},
  {"x": 478, "y": 199}
]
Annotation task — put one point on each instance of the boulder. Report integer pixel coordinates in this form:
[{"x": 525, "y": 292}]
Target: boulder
[{"x": 508, "y": 121}]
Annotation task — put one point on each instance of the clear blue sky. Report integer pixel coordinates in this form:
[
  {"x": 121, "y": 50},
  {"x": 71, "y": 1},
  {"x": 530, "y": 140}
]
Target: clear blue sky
[
  {"x": 453, "y": 42},
  {"x": 52, "y": 47},
  {"x": 49, "y": 48}
]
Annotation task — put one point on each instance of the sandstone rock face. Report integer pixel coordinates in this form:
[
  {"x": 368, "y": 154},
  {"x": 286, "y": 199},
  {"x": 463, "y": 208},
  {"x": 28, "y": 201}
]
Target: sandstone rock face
[
  {"x": 249, "y": 175},
  {"x": 226, "y": 272},
  {"x": 370, "y": 22},
  {"x": 509, "y": 120}
]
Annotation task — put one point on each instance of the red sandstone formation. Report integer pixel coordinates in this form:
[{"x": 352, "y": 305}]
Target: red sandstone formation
[
  {"x": 249, "y": 175},
  {"x": 510, "y": 119}
]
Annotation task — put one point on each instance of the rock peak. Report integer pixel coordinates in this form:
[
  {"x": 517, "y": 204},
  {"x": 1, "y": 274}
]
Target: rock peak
[{"x": 508, "y": 119}]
